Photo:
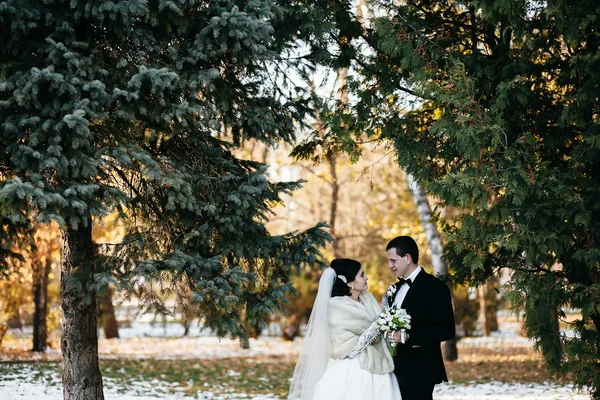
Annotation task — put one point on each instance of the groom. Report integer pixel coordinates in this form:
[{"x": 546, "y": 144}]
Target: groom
[{"x": 418, "y": 364}]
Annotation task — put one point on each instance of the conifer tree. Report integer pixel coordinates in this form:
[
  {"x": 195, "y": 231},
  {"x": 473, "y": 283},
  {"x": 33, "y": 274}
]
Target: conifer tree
[
  {"x": 493, "y": 106},
  {"x": 137, "y": 106}
]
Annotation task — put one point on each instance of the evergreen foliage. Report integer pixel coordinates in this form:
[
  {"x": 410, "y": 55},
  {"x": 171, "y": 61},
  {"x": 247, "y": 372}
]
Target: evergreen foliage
[
  {"x": 137, "y": 106},
  {"x": 493, "y": 106}
]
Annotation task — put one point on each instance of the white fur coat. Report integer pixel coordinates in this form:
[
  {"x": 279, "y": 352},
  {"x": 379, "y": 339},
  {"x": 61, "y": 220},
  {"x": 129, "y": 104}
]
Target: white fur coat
[{"x": 348, "y": 319}]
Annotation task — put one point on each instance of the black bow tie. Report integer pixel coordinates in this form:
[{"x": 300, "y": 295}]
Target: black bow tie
[{"x": 402, "y": 281}]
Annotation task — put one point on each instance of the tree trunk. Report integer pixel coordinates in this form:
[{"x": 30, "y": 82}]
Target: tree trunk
[
  {"x": 3, "y": 329},
  {"x": 334, "y": 203},
  {"x": 292, "y": 327},
  {"x": 187, "y": 308},
  {"x": 483, "y": 315},
  {"x": 332, "y": 160},
  {"x": 110, "y": 326},
  {"x": 492, "y": 311},
  {"x": 186, "y": 326},
  {"x": 435, "y": 246},
  {"x": 81, "y": 376},
  {"x": 41, "y": 270},
  {"x": 488, "y": 307}
]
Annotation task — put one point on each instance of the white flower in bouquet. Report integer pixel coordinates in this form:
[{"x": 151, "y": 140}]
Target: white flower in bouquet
[{"x": 394, "y": 319}]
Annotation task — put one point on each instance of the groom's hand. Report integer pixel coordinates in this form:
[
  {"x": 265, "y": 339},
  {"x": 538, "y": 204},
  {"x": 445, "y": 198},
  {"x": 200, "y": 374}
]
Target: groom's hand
[{"x": 395, "y": 336}]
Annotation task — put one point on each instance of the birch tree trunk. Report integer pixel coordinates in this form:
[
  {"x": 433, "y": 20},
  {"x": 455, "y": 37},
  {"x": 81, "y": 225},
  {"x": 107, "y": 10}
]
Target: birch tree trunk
[
  {"x": 437, "y": 249},
  {"x": 81, "y": 376}
]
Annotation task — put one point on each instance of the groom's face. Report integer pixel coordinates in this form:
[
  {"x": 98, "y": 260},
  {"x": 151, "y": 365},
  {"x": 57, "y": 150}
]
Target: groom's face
[{"x": 398, "y": 265}]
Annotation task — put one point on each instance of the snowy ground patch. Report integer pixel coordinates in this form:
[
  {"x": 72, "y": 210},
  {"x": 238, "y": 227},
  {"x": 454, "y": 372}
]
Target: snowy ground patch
[
  {"x": 503, "y": 391},
  {"x": 27, "y": 384},
  {"x": 153, "y": 343}
]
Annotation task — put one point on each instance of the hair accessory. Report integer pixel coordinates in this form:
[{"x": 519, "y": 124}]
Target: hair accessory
[{"x": 342, "y": 278}]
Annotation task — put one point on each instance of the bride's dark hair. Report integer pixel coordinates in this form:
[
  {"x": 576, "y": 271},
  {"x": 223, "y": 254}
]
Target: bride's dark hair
[{"x": 347, "y": 268}]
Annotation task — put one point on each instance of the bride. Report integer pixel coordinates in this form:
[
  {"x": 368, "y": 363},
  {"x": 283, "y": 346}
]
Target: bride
[{"x": 343, "y": 356}]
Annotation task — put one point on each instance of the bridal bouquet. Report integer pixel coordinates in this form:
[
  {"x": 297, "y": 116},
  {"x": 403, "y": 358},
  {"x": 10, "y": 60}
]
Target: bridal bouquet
[{"x": 394, "y": 319}]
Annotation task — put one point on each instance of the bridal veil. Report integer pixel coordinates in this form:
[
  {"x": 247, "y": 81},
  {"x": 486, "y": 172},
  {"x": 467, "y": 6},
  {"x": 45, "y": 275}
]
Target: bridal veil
[{"x": 316, "y": 350}]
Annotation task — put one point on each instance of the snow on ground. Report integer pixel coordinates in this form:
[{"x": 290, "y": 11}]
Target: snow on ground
[
  {"x": 144, "y": 340},
  {"x": 503, "y": 391},
  {"x": 28, "y": 387}
]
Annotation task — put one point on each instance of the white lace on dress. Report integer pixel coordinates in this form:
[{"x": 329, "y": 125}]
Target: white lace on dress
[{"x": 365, "y": 339}]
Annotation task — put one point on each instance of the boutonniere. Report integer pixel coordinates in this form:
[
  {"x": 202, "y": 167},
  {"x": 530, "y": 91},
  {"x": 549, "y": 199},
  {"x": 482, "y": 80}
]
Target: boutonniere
[{"x": 390, "y": 293}]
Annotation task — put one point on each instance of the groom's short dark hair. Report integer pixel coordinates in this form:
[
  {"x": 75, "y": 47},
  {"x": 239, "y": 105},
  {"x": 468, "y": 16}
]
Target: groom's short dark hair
[{"x": 404, "y": 245}]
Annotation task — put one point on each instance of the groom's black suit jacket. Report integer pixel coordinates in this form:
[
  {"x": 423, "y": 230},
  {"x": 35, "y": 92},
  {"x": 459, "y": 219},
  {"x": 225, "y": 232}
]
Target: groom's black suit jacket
[{"x": 419, "y": 361}]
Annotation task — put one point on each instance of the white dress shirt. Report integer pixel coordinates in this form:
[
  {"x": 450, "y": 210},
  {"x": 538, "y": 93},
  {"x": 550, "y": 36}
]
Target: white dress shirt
[{"x": 405, "y": 288}]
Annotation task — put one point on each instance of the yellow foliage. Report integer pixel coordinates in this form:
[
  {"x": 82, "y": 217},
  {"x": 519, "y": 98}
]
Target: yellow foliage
[
  {"x": 108, "y": 230},
  {"x": 16, "y": 291}
]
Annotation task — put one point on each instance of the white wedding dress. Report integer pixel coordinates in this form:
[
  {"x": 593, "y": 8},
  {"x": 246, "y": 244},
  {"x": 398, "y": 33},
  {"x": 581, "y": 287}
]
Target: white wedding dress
[
  {"x": 344, "y": 356},
  {"x": 345, "y": 380}
]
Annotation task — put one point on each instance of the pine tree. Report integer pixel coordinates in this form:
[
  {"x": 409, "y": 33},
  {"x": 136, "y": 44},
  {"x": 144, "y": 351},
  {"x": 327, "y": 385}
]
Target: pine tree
[
  {"x": 136, "y": 106},
  {"x": 493, "y": 106}
]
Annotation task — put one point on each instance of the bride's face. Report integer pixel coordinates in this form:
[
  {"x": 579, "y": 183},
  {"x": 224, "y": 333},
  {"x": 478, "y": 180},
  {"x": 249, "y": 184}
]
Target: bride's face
[{"x": 360, "y": 281}]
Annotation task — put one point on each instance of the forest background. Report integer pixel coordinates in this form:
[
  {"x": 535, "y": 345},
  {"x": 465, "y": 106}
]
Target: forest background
[{"x": 147, "y": 113}]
